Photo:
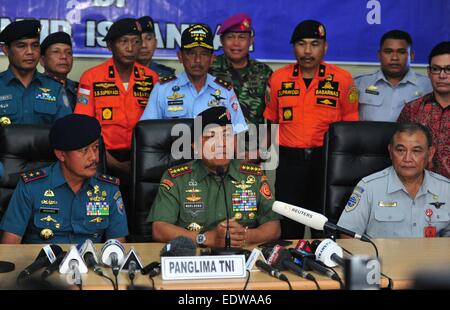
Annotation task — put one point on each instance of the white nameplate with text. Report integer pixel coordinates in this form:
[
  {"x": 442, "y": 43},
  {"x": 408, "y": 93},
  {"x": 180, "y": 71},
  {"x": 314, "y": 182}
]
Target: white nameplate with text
[{"x": 202, "y": 267}]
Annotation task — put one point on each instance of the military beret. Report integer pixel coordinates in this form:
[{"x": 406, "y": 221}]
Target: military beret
[
  {"x": 122, "y": 27},
  {"x": 309, "y": 29},
  {"x": 216, "y": 115},
  {"x": 237, "y": 23},
  {"x": 147, "y": 24},
  {"x": 73, "y": 132},
  {"x": 28, "y": 28},
  {"x": 56, "y": 37},
  {"x": 197, "y": 35}
]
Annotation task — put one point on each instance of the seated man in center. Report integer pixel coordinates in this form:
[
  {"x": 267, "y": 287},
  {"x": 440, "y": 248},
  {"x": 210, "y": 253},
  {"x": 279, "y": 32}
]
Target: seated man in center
[{"x": 190, "y": 201}]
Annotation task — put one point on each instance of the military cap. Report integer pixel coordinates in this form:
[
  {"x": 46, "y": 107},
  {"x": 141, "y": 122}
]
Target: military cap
[
  {"x": 215, "y": 115},
  {"x": 56, "y": 37},
  {"x": 122, "y": 27},
  {"x": 73, "y": 132},
  {"x": 237, "y": 23},
  {"x": 27, "y": 28},
  {"x": 197, "y": 35},
  {"x": 147, "y": 24},
  {"x": 309, "y": 29}
]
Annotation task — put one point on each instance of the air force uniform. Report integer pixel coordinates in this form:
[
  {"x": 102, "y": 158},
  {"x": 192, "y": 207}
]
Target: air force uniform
[
  {"x": 381, "y": 207},
  {"x": 380, "y": 101},
  {"x": 176, "y": 97}
]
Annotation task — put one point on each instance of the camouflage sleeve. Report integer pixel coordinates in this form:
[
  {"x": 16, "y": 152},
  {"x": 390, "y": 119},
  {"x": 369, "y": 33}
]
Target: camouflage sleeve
[
  {"x": 271, "y": 110},
  {"x": 166, "y": 207}
]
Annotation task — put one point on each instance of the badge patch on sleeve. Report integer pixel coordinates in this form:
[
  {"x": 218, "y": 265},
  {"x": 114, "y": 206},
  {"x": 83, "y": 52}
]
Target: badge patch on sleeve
[
  {"x": 119, "y": 204},
  {"x": 265, "y": 191},
  {"x": 353, "y": 94},
  {"x": 353, "y": 201}
]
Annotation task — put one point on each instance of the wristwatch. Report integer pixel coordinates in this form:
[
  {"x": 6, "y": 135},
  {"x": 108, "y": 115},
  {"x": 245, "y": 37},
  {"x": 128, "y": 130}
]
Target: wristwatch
[{"x": 201, "y": 239}]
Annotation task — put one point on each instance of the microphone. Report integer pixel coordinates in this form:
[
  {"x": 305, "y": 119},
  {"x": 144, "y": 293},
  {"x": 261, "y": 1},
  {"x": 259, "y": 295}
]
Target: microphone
[
  {"x": 112, "y": 254},
  {"x": 89, "y": 255},
  {"x": 152, "y": 269},
  {"x": 308, "y": 261},
  {"x": 180, "y": 246},
  {"x": 132, "y": 270},
  {"x": 328, "y": 252},
  {"x": 227, "y": 250},
  {"x": 280, "y": 258},
  {"x": 46, "y": 256},
  {"x": 313, "y": 219},
  {"x": 274, "y": 272},
  {"x": 53, "y": 266}
]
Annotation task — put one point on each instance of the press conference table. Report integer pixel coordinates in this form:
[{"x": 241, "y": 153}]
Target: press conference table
[{"x": 400, "y": 259}]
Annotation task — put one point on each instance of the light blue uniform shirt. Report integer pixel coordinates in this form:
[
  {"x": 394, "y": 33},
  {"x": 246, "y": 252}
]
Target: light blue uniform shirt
[
  {"x": 381, "y": 207},
  {"x": 178, "y": 98},
  {"x": 42, "y": 102},
  {"x": 46, "y": 201},
  {"x": 380, "y": 101}
]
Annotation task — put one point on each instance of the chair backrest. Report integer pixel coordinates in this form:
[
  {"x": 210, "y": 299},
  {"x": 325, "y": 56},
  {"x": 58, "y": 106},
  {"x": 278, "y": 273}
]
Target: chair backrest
[
  {"x": 150, "y": 157},
  {"x": 352, "y": 150},
  {"x": 22, "y": 148}
]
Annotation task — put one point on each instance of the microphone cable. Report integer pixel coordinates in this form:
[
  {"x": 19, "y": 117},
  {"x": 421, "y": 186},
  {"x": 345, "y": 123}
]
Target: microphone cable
[
  {"x": 150, "y": 276},
  {"x": 390, "y": 281},
  {"x": 247, "y": 280},
  {"x": 101, "y": 274},
  {"x": 313, "y": 279},
  {"x": 288, "y": 282}
]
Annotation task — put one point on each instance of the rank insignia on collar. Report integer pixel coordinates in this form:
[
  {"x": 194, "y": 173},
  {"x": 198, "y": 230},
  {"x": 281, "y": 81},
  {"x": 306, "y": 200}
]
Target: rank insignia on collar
[
  {"x": 33, "y": 175},
  {"x": 437, "y": 204}
]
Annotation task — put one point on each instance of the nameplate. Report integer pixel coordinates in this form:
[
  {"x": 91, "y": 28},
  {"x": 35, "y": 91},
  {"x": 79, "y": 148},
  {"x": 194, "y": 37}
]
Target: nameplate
[{"x": 202, "y": 267}]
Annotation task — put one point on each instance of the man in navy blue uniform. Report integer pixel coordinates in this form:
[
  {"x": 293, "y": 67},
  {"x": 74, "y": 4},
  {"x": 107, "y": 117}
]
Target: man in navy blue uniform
[
  {"x": 67, "y": 202},
  {"x": 27, "y": 96}
]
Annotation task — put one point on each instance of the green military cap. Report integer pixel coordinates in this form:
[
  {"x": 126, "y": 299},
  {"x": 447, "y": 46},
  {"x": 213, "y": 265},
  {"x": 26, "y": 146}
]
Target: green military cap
[{"x": 27, "y": 28}]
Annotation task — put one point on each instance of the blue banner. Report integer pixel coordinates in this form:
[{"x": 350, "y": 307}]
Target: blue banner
[{"x": 354, "y": 27}]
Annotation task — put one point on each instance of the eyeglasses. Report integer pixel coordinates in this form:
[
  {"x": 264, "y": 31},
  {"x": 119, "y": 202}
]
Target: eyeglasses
[{"x": 437, "y": 69}]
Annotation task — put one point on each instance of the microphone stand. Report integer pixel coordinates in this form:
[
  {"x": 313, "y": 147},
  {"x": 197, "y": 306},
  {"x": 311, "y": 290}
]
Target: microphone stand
[{"x": 227, "y": 250}]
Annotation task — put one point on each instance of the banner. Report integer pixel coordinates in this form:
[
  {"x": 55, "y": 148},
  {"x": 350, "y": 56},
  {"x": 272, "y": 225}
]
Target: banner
[{"x": 354, "y": 27}]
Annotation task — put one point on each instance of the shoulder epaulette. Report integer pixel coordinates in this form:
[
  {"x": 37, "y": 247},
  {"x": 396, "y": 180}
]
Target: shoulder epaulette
[
  {"x": 33, "y": 175},
  {"x": 224, "y": 83},
  {"x": 179, "y": 170},
  {"x": 108, "y": 179},
  {"x": 439, "y": 177},
  {"x": 165, "y": 79},
  {"x": 250, "y": 169},
  {"x": 376, "y": 175}
]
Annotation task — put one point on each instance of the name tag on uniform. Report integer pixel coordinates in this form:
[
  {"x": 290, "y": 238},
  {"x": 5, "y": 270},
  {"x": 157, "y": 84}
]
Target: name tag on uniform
[
  {"x": 5, "y": 97},
  {"x": 387, "y": 204}
]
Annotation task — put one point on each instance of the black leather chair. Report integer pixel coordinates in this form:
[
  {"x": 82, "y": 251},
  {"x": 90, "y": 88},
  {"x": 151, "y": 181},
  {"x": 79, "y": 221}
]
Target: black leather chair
[
  {"x": 23, "y": 148},
  {"x": 352, "y": 150},
  {"x": 151, "y": 156}
]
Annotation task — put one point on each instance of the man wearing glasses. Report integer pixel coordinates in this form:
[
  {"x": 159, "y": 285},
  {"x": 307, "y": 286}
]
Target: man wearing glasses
[
  {"x": 194, "y": 90},
  {"x": 433, "y": 110}
]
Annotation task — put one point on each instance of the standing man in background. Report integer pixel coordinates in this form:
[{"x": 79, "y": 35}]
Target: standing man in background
[
  {"x": 149, "y": 43},
  {"x": 27, "y": 96},
  {"x": 433, "y": 110},
  {"x": 116, "y": 93},
  {"x": 384, "y": 93},
  {"x": 304, "y": 99},
  {"x": 57, "y": 60}
]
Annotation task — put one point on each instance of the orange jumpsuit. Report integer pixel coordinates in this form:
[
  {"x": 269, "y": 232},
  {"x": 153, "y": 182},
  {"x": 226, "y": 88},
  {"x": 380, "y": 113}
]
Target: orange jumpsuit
[
  {"x": 102, "y": 94},
  {"x": 304, "y": 114}
]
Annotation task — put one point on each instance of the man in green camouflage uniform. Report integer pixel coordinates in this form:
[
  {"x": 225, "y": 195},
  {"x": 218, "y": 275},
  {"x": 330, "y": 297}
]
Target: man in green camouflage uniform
[
  {"x": 249, "y": 77},
  {"x": 191, "y": 201}
]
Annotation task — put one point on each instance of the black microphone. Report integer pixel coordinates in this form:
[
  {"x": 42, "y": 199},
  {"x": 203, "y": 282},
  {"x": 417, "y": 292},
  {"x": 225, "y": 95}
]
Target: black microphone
[
  {"x": 132, "y": 270},
  {"x": 227, "y": 250},
  {"x": 53, "y": 266},
  {"x": 152, "y": 269},
  {"x": 309, "y": 263},
  {"x": 280, "y": 258},
  {"x": 180, "y": 246},
  {"x": 274, "y": 272},
  {"x": 44, "y": 259},
  {"x": 89, "y": 255}
]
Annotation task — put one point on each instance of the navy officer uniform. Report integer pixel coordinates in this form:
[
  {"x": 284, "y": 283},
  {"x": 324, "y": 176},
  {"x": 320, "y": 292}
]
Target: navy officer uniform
[
  {"x": 176, "y": 97},
  {"x": 380, "y": 207},
  {"x": 43, "y": 101},
  {"x": 44, "y": 209}
]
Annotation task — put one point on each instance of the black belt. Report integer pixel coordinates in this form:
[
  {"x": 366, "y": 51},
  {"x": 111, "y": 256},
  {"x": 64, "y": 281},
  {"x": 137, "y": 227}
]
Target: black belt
[{"x": 298, "y": 153}]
